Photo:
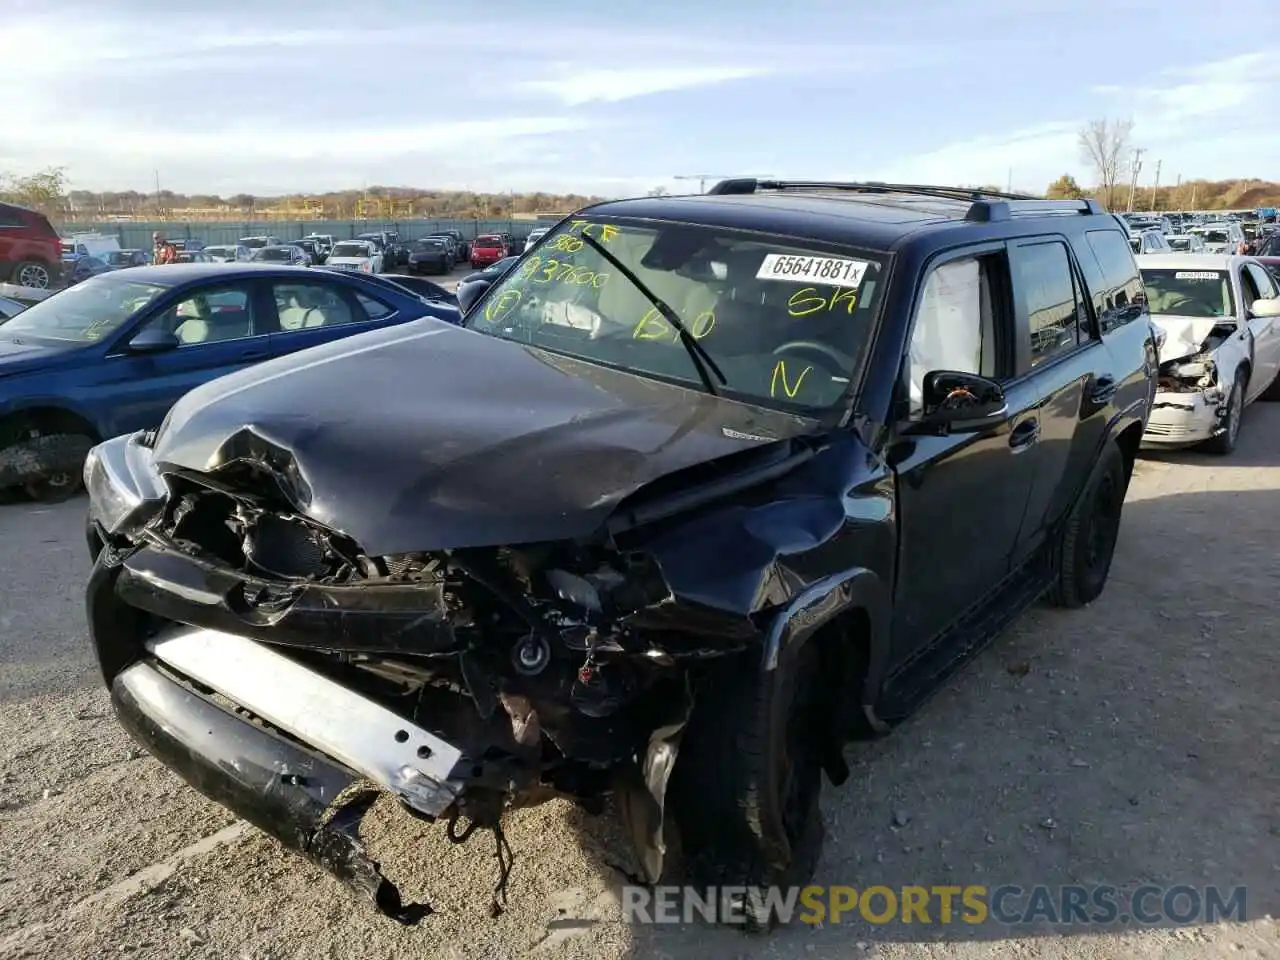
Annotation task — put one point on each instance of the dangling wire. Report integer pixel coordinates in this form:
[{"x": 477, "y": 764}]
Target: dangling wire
[{"x": 506, "y": 859}]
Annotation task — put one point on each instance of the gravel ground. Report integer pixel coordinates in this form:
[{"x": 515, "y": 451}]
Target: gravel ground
[{"x": 1130, "y": 742}]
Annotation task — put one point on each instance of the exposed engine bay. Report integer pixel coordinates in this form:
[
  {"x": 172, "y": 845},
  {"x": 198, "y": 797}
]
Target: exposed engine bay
[
  {"x": 522, "y": 655},
  {"x": 1198, "y": 371}
]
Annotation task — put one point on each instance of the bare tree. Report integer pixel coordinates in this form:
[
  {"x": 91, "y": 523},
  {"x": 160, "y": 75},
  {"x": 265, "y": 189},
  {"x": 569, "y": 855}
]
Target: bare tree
[{"x": 1104, "y": 145}]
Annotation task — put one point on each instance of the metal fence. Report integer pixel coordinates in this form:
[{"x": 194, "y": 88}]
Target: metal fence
[{"x": 137, "y": 235}]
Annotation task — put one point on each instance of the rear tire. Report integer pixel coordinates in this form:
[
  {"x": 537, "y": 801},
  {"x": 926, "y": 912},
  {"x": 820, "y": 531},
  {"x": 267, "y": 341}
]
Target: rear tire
[
  {"x": 744, "y": 794},
  {"x": 31, "y": 273},
  {"x": 1088, "y": 541}
]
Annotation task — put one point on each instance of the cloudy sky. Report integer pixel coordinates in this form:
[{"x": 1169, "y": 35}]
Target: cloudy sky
[{"x": 617, "y": 97}]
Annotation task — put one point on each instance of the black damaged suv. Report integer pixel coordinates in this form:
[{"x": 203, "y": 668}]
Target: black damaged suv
[{"x": 706, "y": 487}]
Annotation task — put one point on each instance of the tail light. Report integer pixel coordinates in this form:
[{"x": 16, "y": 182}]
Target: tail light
[{"x": 364, "y": 266}]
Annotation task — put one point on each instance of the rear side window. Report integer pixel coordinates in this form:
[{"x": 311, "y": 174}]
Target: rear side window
[
  {"x": 302, "y": 305},
  {"x": 374, "y": 309},
  {"x": 1045, "y": 282},
  {"x": 1117, "y": 294},
  {"x": 10, "y": 217}
]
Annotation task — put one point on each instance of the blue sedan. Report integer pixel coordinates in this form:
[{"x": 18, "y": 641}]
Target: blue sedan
[{"x": 110, "y": 355}]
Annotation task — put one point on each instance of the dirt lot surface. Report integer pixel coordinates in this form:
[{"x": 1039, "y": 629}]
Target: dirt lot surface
[{"x": 1131, "y": 742}]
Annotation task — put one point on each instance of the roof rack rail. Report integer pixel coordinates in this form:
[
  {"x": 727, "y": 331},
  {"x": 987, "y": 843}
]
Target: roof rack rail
[{"x": 987, "y": 205}]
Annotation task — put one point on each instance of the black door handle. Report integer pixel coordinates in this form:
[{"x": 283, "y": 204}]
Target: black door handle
[
  {"x": 1024, "y": 434},
  {"x": 1104, "y": 388},
  {"x": 255, "y": 355}
]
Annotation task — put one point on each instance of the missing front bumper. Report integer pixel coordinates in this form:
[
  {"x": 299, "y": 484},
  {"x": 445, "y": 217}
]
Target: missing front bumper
[
  {"x": 357, "y": 732},
  {"x": 281, "y": 788}
]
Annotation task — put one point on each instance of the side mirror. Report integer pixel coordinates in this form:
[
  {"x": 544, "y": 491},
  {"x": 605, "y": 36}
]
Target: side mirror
[
  {"x": 154, "y": 341},
  {"x": 1265, "y": 308},
  {"x": 472, "y": 292},
  {"x": 956, "y": 402}
]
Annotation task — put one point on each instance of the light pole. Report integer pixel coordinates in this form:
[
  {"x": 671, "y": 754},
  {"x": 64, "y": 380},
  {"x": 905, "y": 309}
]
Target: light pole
[
  {"x": 1155, "y": 187},
  {"x": 1133, "y": 177}
]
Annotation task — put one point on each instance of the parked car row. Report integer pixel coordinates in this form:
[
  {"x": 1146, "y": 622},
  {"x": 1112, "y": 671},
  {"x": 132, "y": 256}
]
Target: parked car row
[{"x": 34, "y": 255}]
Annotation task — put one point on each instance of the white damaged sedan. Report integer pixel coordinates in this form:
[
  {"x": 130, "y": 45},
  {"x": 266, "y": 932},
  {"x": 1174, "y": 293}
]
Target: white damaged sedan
[{"x": 1220, "y": 316}]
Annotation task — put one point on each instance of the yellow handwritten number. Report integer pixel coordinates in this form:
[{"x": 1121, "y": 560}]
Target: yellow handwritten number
[{"x": 780, "y": 379}]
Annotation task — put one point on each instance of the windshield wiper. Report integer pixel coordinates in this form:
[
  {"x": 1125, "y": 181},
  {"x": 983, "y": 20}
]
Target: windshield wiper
[{"x": 697, "y": 353}]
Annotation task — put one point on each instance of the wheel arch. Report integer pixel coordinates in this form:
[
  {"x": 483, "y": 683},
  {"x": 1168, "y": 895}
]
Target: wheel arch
[
  {"x": 49, "y": 418},
  {"x": 1128, "y": 439},
  {"x": 849, "y": 615}
]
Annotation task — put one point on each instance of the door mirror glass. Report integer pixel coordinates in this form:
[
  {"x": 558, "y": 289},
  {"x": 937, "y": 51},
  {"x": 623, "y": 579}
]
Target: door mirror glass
[
  {"x": 153, "y": 340},
  {"x": 472, "y": 292},
  {"x": 956, "y": 402}
]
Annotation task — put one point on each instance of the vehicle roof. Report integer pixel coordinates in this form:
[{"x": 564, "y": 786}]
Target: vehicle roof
[
  {"x": 172, "y": 274},
  {"x": 874, "y": 220},
  {"x": 1189, "y": 261}
]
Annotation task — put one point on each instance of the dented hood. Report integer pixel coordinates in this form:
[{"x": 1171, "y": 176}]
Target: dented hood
[
  {"x": 429, "y": 436},
  {"x": 1184, "y": 335}
]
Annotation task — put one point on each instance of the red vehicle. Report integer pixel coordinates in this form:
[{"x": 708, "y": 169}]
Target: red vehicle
[
  {"x": 30, "y": 249},
  {"x": 488, "y": 249}
]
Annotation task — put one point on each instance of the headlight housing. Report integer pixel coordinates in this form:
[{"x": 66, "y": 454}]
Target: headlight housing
[{"x": 125, "y": 490}]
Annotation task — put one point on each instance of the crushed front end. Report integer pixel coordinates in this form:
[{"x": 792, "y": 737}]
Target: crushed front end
[
  {"x": 285, "y": 673},
  {"x": 1191, "y": 401}
]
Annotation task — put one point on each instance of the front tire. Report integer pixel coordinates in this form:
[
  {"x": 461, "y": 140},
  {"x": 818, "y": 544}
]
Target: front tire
[
  {"x": 1088, "y": 541},
  {"x": 744, "y": 794},
  {"x": 1224, "y": 444}
]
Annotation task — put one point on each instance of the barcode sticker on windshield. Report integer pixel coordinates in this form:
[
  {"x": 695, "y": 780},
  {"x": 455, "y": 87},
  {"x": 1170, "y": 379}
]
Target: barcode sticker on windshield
[
  {"x": 1195, "y": 275},
  {"x": 832, "y": 271}
]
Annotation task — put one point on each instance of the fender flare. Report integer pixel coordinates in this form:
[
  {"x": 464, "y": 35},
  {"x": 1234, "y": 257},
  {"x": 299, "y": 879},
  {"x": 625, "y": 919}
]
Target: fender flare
[{"x": 800, "y": 620}]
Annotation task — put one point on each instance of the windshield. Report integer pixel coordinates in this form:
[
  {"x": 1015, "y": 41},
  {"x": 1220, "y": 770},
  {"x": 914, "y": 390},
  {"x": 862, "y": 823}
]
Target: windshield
[
  {"x": 1213, "y": 236},
  {"x": 1189, "y": 293},
  {"x": 278, "y": 254},
  {"x": 253, "y": 243},
  {"x": 430, "y": 244},
  {"x": 487, "y": 243},
  {"x": 785, "y": 324},
  {"x": 118, "y": 257},
  {"x": 350, "y": 250},
  {"x": 1180, "y": 243},
  {"x": 220, "y": 251},
  {"x": 84, "y": 313}
]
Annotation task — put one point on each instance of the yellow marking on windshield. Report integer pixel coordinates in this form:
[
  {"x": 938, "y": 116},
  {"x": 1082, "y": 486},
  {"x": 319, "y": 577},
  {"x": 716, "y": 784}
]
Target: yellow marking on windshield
[
  {"x": 780, "y": 379},
  {"x": 498, "y": 308},
  {"x": 653, "y": 326},
  {"x": 604, "y": 232},
  {"x": 809, "y": 300}
]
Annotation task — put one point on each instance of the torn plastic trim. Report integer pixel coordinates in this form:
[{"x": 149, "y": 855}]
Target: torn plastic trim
[
  {"x": 362, "y": 735},
  {"x": 387, "y": 618},
  {"x": 283, "y": 790}
]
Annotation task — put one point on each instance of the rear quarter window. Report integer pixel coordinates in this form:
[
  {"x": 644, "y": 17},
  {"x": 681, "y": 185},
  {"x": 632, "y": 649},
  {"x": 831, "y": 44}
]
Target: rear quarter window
[{"x": 1114, "y": 282}]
